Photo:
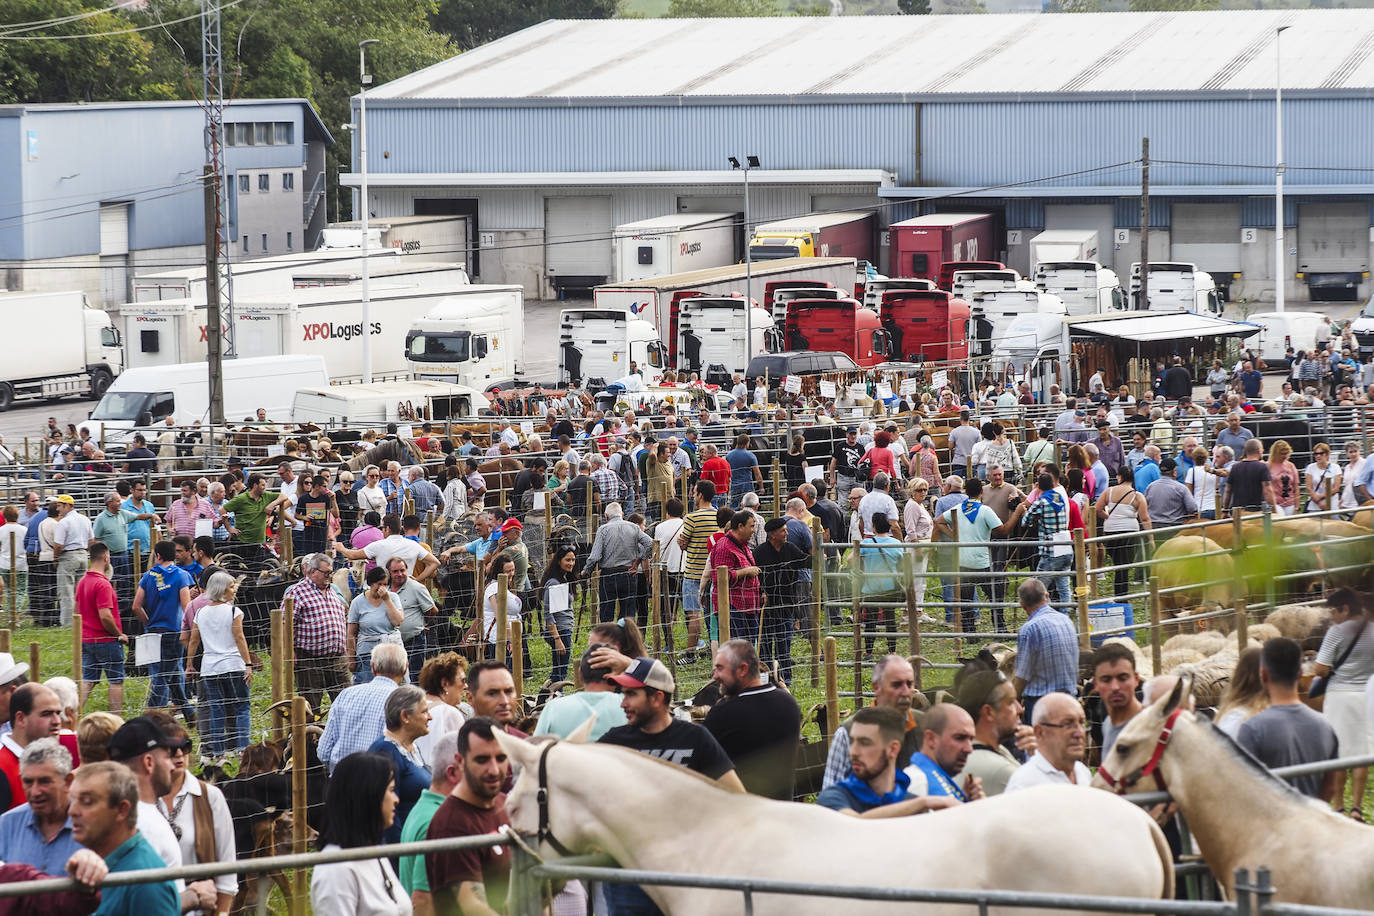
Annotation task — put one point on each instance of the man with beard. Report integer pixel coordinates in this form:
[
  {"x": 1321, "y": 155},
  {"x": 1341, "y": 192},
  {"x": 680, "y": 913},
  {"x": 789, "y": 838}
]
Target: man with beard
[
  {"x": 1061, "y": 744},
  {"x": 758, "y": 725},
  {"x": 472, "y": 881},
  {"x": 875, "y": 787},
  {"x": 894, "y": 683},
  {"x": 1115, "y": 682},
  {"x": 946, "y": 742}
]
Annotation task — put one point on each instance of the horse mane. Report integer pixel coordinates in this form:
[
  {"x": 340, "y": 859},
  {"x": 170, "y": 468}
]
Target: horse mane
[{"x": 1250, "y": 761}]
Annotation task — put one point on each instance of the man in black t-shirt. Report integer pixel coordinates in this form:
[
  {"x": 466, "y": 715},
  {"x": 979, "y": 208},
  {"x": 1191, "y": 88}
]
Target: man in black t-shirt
[
  {"x": 844, "y": 461},
  {"x": 1249, "y": 486},
  {"x": 780, "y": 562},
  {"x": 647, "y": 690},
  {"x": 757, "y": 724}
]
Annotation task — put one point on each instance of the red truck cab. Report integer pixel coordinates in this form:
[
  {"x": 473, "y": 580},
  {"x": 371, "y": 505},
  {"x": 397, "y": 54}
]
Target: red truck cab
[
  {"x": 926, "y": 325},
  {"x": 837, "y": 324}
]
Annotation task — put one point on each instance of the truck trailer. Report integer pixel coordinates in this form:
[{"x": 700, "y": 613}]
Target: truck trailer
[
  {"x": 824, "y": 235},
  {"x": 673, "y": 244},
  {"x": 922, "y": 244},
  {"x": 445, "y": 238},
  {"x": 63, "y": 346},
  {"x": 1063, "y": 245}
]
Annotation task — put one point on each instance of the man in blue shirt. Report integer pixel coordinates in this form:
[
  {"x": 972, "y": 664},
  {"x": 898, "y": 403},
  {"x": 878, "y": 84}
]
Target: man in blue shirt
[
  {"x": 875, "y": 788},
  {"x": 1046, "y": 648},
  {"x": 104, "y": 813},
  {"x": 139, "y": 503},
  {"x": 744, "y": 470},
  {"x": 39, "y": 833},
  {"x": 160, "y": 603},
  {"x": 1147, "y": 472}
]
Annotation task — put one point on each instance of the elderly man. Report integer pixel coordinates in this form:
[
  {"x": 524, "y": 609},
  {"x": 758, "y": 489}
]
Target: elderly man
[
  {"x": 1046, "y": 648},
  {"x": 734, "y": 553},
  {"x": 319, "y": 632},
  {"x": 1169, "y": 500},
  {"x": 760, "y": 727},
  {"x": 879, "y": 500},
  {"x": 874, "y": 787},
  {"x": 105, "y": 814},
  {"x": 71, "y": 542},
  {"x": 946, "y": 742},
  {"x": 417, "y": 609},
  {"x": 894, "y": 685},
  {"x": 989, "y": 697},
  {"x": 619, "y": 550},
  {"x": 357, "y": 715},
  {"x": 39, "y": 833},
  {"x": 1234, "y": 436},
  {"x": 1147, "y": 471},
  {"x": 1061, "y": 743},
  {"x": 423, "y": 493},
  {"x": 183, "y": 515}
]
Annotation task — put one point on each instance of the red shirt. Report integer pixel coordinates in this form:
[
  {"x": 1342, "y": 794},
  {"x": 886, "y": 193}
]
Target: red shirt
[
  {"x": 9, "y": 772},
  {"x": 717, "y": 470},
  {"x": 94, "y": 592},
  {"x": 746, "y": 595}
]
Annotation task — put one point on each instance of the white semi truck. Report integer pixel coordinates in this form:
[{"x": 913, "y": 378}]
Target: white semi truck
[
  {"x": 474, "y": 337},
  {"x": 599, "y": 344},
  {"x": 61, "y": 346},
  {"x": 1086, "y": 287},
  {"x": 711, "y": 337},
  {"x": 1177, "y": 286}
]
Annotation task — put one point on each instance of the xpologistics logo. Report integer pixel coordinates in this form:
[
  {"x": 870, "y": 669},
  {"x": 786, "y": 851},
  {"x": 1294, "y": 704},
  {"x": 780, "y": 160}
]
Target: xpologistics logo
[{"x": 328, "y": 331}]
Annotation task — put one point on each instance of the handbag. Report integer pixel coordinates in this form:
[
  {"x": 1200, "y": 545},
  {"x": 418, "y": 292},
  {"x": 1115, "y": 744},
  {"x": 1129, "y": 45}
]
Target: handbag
[{"x": 1317, "y": 687}]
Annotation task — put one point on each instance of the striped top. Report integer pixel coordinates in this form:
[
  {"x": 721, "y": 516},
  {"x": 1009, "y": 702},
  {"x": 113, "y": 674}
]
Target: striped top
[{"x": 698, "y": 527}]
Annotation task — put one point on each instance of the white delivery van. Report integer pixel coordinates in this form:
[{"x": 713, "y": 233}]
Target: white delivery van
[
  {"x": 386, "y": 402},
  {"x": 143, "y": 398},
  {"x": 1281, "y": 330}
]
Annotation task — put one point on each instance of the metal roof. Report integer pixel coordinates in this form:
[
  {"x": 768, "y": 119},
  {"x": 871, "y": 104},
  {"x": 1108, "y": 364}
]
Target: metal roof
[
  {"x": 879, "y": 177},
  {"x": 1327, "y": 51},
  {"x": 313, "y": 122},
  {"x": 1151, "y": 327}
]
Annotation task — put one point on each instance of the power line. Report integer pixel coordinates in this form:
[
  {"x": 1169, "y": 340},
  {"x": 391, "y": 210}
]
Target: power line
[{"x": 142, "y": 28}]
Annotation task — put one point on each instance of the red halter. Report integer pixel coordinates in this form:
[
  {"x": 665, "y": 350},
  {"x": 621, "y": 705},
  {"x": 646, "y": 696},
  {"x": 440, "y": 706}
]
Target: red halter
[{"x": 1121, "y": 786}]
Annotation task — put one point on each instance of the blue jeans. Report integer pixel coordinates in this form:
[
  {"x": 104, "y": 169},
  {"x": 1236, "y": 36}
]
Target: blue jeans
[
  {"x": 102, "y": 658},
  {"x": 227, "y": 697},
  {"x": 615, "y": 586},
  {"x": 744, "y": 625},
  {"x": 629, "y": 900},
  {"x": 560, "y": 659},
  {"x": 778, "y": 627},
  {"x": 416, "y": 648},
  {"x": 1063, "y": 596},
  {"x": 168, "y": 676}
]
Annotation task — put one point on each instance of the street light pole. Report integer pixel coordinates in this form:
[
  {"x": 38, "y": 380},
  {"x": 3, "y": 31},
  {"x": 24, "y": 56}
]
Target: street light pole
[
  {"x": 1279, "y": 271},
  {"x": 750, "y": 162},
  {"x": 365, "y": 79}
]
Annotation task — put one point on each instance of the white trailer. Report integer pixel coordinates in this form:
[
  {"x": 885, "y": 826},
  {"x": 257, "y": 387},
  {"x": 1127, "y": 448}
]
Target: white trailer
[
  {"x": 1063, "y": 245},
  {"x": 327, "y": 322},
  {"x": 474, "y": 338},
  {"x": 1086, "y": 287},
  {"x": 1176, "y": 286},
  {"x": 278, "y": 275},
  {"x": 711, "y": 337},
  {"x": 386, "y": 402},
  {"x": 445, "y": 238},
  {"x": 599, "y": 344},
  {"x": 673, "y": 244},
  {"x": 60, "y": 346}
]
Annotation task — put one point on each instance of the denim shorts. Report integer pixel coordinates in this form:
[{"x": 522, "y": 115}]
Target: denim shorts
[
  {"x": 107, "y": 657},
  {"x": 691, "y": 596}
]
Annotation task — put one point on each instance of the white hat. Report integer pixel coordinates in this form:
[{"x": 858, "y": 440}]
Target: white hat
[{"x": 10, "y": 669}]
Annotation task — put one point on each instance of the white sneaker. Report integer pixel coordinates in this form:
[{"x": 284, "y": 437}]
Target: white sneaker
[{"x": 929, "y": 621}]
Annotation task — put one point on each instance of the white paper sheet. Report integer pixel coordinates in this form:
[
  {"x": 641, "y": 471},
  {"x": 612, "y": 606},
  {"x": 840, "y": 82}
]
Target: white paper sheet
[
  {"x": 205, "y": 528},
  {"x": 558, "y": 598},
  {"x": 827, "y": 389},
  {"x": 538, "y": 497},
  {"x": 814, "y": 472},
  {"x": 147, "y": 649}
]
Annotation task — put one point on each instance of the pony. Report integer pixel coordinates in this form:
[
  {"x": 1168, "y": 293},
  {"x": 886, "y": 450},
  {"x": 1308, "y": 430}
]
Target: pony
[
  {"x": 1047, "y": 839},
  {"x": 1241, "y": 814}
]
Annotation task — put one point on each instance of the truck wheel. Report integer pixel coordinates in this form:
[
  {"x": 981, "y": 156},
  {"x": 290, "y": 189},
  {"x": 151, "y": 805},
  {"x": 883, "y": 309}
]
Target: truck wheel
[
  {"x": 100, "y": 383},
  {"x": 6, "y": 396}
]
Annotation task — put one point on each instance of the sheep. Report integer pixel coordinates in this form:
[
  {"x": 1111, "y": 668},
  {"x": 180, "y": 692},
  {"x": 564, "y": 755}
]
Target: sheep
[
  {"x": 1204, "y": 642},
  {"x": 1298, "y": 621},
  {"x": 1211, "y": 675},
  {"x": 1263, "y": 632}
]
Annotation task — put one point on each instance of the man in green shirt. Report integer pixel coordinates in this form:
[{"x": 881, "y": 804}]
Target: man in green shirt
[
  {"x": 447, "y": 773},
  {"x": 251, "y": 509},
  {"x": 111, "y": 528},
  {"x": 104, "y": 815}
]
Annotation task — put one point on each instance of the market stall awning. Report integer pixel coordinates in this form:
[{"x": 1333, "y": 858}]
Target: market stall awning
[{"x": 1154, "y": 327}]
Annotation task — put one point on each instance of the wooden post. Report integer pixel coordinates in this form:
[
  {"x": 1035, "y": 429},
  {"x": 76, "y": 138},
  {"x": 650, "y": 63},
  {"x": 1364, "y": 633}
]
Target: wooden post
[
  {"x": 548, "y": 513},
  {"x": 958, "y": 584},
  {"x": 817, "y": 591},
  {"x": 517, "y": 660},
  {"x": 299, "y": 827},
  {"x": 1080, "y": 565},
  {"x": 502, "y": 624},
  {"x": 856, "y": 609},
  {"x": 777, "y": 487},
  {"x": 429, "y": 528},
  {"x": 832, "y": 691},
  {"x": 284, "y": 536},
  {"x": 14, "y": 586},
  {"x": 278, "y": 660},
  {"x": 1156, "y": 648},
  {"x": 655, "y": 602},
  {"x": 136, "y": 570},
  {"x": 26, "y": 447},
  {"x": 913, "y": 616},
  {"x": 4, "y": 640},
  {"x": 1092, "y": 557},
  {"x": 722, "y": 608},
  {"x": 155, "y": 536},
  {"x": 288, "y": 649},
  {"x": 1242, "y": 625},
  {"x": 35, "y": 651},
  {"x": 76, "y": 657}
]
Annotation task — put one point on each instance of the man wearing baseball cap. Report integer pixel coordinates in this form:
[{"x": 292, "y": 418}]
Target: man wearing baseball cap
[{"x": 646, "y": 690}]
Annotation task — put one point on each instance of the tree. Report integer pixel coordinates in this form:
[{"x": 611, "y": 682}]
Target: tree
[
  {"x": 914, "y": 7},
  {"x": 470, "y": 23},
  {"x": 715, "y": 9}
]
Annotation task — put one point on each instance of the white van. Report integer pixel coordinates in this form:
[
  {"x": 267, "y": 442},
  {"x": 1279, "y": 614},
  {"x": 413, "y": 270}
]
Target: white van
[
  {"x": 144, "y": 397},
  {"x": 386, "y": 402},
  {"x": 1299, "y": 330}
]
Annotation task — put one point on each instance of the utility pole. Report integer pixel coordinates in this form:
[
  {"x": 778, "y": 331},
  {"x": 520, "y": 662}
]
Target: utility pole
[
  {"x": 365, "y": 79},
  {"x": 219, "y": 285},
  {"x": 214, "y": 357},
  {"x": 1144, "y": 302}
]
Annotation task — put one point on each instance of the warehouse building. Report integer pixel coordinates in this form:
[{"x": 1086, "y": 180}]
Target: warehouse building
[
  {"x": 97, "y": 192},
  {"x": 553, "y": 135}
]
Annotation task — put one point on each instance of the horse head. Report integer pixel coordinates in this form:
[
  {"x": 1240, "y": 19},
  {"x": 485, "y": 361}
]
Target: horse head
[
  {"x": 541, "y": 805},
  {"x": 1140, "y": 747}
]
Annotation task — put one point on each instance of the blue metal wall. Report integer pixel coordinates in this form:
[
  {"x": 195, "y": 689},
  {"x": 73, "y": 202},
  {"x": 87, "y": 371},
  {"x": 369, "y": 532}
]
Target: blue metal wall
[{"x": 652, "y": 138}]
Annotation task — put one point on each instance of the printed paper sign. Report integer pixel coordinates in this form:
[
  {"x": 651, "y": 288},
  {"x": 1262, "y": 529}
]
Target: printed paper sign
[
  {"x": 908, "y": 386},
  {"x": 858, "y": 390},
  {"x": 939, "y": 379},
  {"x": 827, "y": 389},
  {"x": 527, "y": 427},
  {"x": 814, "y": 472},
  {"x": 538, "y": 501},
  {"x": 147, "y": 649},
  {"x": 792, "y": 385},
  {"x": 558, "y": 598},
  {"x": 205, "y": 528},
  {"x": 884, "y": 391},
  {"x": 274, "y": 450},
  {"x": 405, "y": 432}
]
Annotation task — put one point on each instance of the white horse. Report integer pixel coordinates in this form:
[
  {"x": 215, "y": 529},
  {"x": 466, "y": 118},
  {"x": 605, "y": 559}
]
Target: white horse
[
  {"x": 1242, "y": 815},
  {"x": 648, "y": 814}
]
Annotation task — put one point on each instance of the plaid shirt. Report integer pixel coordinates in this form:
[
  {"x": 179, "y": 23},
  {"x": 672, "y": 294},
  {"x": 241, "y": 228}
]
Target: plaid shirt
[
  {"x": 1047, "y": 653},
  {"x": 608, "y": 483},
  {"x": 395, "y": 494},
  {"x": 320, "y": 617},
  {"x": 746, "y": 595},
  {"x": 356, "y": 718}
]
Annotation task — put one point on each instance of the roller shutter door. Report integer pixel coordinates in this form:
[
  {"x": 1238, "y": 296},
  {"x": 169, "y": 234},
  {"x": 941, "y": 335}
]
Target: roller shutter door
[
  {"x": 577, "y": 237},
  {"x": 1084, "y": 216},
  {"x": 114, "y": 229},
  {"x": 1333, "y": 237},
  {"x": 1207, "y": 235},
  {"x": 728, "y": 203}
]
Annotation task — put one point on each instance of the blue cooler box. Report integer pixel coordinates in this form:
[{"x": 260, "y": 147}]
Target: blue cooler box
[{"x": 1108, "y": 615}]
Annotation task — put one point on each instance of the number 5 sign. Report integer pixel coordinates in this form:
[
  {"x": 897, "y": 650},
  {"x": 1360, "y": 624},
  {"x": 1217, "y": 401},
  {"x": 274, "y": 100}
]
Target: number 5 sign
[{"x": 1248, "y": 236}]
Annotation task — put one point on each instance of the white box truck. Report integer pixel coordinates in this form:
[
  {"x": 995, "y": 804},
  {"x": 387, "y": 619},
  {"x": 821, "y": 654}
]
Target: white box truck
[
  {"x": 442, "y": 237},
  {"x": 60, "y": 346},
  {"x": 673, "y": 244},
  {"x": 596, "y": 347},
  {"x": 386, "y": 402},
  {"x": 277, "y": 275},
  {"x": 1177, "y": 286},
  {"x": 144, "y": 398},
  {"x": 324, "y": 321},
  {"x": 1063, "y": 245},
  {"x": 475, "y": 337},
  {"x": 1086, "y": 287}
]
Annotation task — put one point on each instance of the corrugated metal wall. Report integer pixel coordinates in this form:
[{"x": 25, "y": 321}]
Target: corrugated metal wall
[{"x": 652, "y": 138}]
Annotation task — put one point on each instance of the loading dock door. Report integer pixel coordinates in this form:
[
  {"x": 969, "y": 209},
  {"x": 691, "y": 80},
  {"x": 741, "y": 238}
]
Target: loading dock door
[
  {"x": 1333, "y": 249},
  {"x": 577, "y": 241},
  {"x": 1207, "y": 235}
]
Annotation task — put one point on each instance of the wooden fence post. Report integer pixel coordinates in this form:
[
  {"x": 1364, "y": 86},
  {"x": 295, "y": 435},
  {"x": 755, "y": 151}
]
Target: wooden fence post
[
  {"x": 502, "y": 623},
  {"x": 136, "y": 570},
  {"x": 278, "y": 660},
  {"x": 35, "y": 673},
  {"x": 913, "y": 616},
  {"x": 1081, "y": 577},
  {"x": 76, "y": 659},
  {"x": 817, "y": 593},
  {"x": 517, "y": 660},
  {"x": 4, "y": 640},
  {"x": 777, "y": 487},
  {"x": 722, "y": 608},
  {"x": 14, "y": 584},
  {"x": 832, "y": 691},
  {"x": 299, "y": 806},
  {"x": 1242, "y": 619},
  {"x": 1156, "y": 607},
  {"x": 856, "y": 614},
  {"x": 655, "y": 602}
]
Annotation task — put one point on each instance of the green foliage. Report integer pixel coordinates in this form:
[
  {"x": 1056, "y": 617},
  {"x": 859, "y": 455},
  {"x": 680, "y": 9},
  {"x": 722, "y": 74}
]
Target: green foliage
[
  {"x": 713, "y": 9},
  {"x": 473, "y": 22},
  {"x": 1171, "y": 6},
  {"x": 914, "y": 7}
]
